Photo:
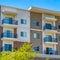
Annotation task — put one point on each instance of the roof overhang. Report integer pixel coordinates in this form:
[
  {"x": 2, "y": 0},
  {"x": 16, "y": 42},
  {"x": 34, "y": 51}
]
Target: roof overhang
[{"x": 44, "y": 11}]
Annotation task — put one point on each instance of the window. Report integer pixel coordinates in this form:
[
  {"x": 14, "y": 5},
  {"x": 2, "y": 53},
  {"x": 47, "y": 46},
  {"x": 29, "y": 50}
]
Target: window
[
  {"x": 36, "y": 48},
  {"x": 8, "y": 47},
  {"x": 23, "y": 34},
  {"x": 23, "y": 21},
  {"x": 7, "y": 20},
  {"x": 8, "y": 33},
  {"x": 48, "y": 26},
  {"x": 36, "y": 35},
  {"x": 36, "y": 23},
  {"x": 59, "y": 38},
  {"x": 58, "y": 26},
  {"x": 48, "y": 38},
  {"x": 49, "y": 50}
]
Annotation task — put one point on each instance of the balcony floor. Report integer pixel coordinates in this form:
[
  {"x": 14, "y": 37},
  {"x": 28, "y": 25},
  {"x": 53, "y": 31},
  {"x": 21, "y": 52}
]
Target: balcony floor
[{"x": 9, "y": 25}]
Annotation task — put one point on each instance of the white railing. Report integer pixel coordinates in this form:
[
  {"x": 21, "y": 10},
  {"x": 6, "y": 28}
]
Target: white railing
[{"x": 49, "y": 56}]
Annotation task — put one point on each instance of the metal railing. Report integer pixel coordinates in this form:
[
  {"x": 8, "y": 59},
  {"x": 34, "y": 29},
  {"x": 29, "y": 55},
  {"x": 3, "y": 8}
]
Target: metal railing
[
  {"x": 49, "y": 27},
  {"x": 53, "y": 52},
  {"x": 7, "y": 21},
  {"x": 47, "y": 39},
  {"x": 10, "y": 35}
]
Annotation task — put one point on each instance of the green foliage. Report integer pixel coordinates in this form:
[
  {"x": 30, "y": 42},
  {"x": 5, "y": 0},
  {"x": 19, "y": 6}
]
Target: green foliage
[
  {"x": 47, "y": 58},
  {"x": 24, "y": 53}
]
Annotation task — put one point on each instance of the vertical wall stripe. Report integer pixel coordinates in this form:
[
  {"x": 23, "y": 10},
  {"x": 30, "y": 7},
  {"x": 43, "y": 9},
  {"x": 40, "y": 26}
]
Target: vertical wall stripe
[{"x": 0, "y": 14}]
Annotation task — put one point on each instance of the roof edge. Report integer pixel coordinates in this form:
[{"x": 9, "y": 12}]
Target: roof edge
[
  {"x": 42, "y": 10},
  {"x": 13, "y": 7}
]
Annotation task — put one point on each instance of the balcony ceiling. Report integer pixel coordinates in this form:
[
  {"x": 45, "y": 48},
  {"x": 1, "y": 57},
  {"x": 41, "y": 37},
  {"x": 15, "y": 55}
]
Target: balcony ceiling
[{"x": 9, "y": 13}]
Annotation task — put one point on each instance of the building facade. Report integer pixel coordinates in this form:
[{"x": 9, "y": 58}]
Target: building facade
[
  {"x": 38, "y": 26},
  {"x": 15, "y": 27}
]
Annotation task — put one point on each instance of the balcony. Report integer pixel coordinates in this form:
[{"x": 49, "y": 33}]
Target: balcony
[
  {"x": 50, "y": 28},
  {"x": 50, "y": 40},
  {"x": 53, "y": 52},
  {"x": 9, "y": 22},
  {"x": 8, "y": 36},
  {"x": 50, "y": 18}
]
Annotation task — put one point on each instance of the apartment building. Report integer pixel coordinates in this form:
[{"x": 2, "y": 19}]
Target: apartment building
[
  {"x": 44, "y": 32},
  {"x": 38, "y": 26},
  {"x": 15, "y": 27}
]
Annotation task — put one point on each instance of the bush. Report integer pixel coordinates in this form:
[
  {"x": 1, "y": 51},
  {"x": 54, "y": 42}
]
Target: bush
[{"x": 24, "y": 53}]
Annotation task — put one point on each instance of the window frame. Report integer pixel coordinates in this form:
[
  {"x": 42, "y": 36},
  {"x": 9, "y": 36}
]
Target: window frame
[
  {"x": 59, "y": 27},
  {"x": 35, "y": 35},
  {"x": 36, "y": 23},
  {"x": 36, "y": 48},
  {"x": 23, "y": 21},
  {"x": 23, "y": 34}
]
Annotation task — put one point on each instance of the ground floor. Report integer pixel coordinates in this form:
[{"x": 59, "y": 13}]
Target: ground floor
[{"x": 10, "y": 45}]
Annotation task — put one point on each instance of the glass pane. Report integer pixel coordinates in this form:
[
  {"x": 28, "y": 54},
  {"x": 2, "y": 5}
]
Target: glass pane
[
  {"x": 23, "y": 21},
  {"x": 36, "y": 23},
  {"x": 36, "y": 35},
  {"x": 8, "y": 47},
  {"x": 36, "y": 48},
  {"x": 21, "y": 33}
]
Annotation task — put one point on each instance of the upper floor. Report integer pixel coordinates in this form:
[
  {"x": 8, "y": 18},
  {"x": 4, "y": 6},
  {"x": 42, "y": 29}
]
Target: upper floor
[{"x": 36, "y": 18}]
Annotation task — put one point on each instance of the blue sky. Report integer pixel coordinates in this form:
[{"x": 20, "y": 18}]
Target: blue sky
[{"x": 24, "y": 4}]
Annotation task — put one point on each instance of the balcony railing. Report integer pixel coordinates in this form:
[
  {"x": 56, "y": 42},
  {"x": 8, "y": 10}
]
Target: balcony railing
[
  {"x": 47, "y": 39},
  {"x": 49, "y": 27},
  {"x": 53, "y": 52},
  {"x": 10, "y": 35},
  {"x": 9, "y": 21}
]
